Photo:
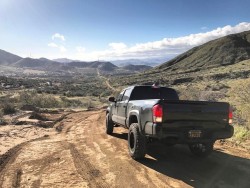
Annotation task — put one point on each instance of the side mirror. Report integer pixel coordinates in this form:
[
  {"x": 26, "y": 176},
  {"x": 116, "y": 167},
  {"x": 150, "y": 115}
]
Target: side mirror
[{"x": 112, "y": 99}]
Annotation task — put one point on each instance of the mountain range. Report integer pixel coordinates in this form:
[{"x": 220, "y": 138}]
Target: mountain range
[
  {"x": 11, "y": 60},
  {"x": 224, "y": 51}
]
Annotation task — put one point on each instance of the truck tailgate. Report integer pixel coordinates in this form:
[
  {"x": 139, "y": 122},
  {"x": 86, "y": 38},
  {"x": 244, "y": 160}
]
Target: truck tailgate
[{"x": 195, "y": 114}]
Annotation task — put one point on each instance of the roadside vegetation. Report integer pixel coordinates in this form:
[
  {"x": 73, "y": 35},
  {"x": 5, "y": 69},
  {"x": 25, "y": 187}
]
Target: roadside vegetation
[
  {"x": 229, "y": 83},
  {"x": 236, "y": 92},
  {"x": 44, "y": 100}
]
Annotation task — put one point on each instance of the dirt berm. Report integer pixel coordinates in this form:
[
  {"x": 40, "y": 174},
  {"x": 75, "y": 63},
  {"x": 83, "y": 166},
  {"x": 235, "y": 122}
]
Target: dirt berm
[{"x": 82, "y": 155}]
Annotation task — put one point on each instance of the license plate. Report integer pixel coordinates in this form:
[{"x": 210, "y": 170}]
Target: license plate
[{"x": 194, "y": 133}]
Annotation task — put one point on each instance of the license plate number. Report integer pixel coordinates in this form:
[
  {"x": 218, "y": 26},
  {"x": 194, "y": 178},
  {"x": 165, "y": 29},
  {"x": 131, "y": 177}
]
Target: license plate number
[{"x": 194, "y": 134}]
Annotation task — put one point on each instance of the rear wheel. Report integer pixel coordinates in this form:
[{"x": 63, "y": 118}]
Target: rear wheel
[
  {"x": 201, "y": 149},
  {"x": 136, "y": 142},
  {"x": 109, "y": 125}
]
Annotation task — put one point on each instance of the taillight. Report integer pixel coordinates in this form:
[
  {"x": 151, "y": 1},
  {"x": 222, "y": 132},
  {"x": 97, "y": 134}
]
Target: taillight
[
  {"x": 230, "y": 116},
  {"x": 157, "y": 113}
]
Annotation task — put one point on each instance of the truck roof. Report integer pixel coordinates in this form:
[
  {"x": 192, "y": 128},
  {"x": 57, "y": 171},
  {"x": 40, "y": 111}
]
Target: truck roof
[{"x": 148, "y": 86}]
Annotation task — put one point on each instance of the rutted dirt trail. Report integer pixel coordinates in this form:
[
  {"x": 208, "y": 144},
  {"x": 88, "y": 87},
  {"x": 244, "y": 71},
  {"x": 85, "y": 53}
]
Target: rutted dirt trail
[
  {"x": 82, "y": 155},
  {"x": 105, "y": 79}
]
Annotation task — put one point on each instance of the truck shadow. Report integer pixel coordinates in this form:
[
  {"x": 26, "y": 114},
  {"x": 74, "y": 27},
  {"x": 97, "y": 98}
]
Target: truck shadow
[
  {"x": 217, "y": 170},
  {"x": 123, "y": 136}
]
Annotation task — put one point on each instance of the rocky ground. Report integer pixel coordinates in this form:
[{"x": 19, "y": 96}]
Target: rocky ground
[{"x": 76, "y": 152}]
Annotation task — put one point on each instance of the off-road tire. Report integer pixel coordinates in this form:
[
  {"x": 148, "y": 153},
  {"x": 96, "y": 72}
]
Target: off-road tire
[
  {"x": 136, "y": 142},
  {"x": 109, "y": 125},
  {"x": 201, "y": 149}
]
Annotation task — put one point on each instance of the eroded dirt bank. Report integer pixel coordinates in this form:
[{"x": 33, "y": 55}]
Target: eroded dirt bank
[{"x": 82, "y": 155}]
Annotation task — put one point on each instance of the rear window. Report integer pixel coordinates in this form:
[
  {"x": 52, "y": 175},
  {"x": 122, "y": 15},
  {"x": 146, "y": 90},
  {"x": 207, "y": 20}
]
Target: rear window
[{"x": 149, "y": 92}]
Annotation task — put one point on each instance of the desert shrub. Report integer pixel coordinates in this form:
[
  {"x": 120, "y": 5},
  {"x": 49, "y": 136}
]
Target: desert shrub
[
  {"x": 38, "y": 100},
  {"x": 2, "y": 120},
  {"x": 26, "y": 97},
  {"x": 89, "y": 104},
  {"x": 193, "y": 92},
  {"x": 240, "y": 98},
  {"x": 241, "y": 134},
  {"x": 45, "y": 101},
  {"x": 8, "y": 108},
  {"x": 65, "y": 102},
  {"x": 189, "y": 93},
  {"x": 211, "y": 95},
  {"x": 1, "y": 113},
  {"x": 104, "y": 100}
]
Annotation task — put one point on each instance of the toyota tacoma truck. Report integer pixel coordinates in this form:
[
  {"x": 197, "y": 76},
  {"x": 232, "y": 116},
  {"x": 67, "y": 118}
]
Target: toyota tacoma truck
[{"x": 156, "y": 113}]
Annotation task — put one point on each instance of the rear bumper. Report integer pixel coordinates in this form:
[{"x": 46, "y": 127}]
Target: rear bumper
[{"x": 180, "y": 135}]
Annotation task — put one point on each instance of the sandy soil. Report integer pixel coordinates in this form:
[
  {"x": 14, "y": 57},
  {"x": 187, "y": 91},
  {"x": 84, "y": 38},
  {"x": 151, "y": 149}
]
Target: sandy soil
[{"x": 82, "y": 155}]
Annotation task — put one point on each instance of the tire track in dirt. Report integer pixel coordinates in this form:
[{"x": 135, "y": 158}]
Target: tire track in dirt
[
  {"x": 86, "y": 169},
  {"x": 9, "y": 157},
  {"x": 65, "y": 125},
  {"x": 17, "y": 178}
]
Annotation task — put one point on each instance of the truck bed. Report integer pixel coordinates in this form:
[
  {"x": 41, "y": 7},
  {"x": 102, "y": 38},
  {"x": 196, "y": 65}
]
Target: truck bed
[{"x": 194, "y": 114}]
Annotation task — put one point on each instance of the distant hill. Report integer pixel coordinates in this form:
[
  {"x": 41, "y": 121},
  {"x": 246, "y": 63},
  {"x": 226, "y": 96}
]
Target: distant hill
[
  {"x": 137, "y": 67},
  {"x": 147, "y": 61},
  {"x": 64, "y": 60},
  {"x": 7, "y": 58},
  {"x": 227, "y": 50},
  {"x": 36, "y": 63},
  {"x": 105, "y": 66},
  {"x": 80, "y": 64},
  {"x": 102, "y": 65}
]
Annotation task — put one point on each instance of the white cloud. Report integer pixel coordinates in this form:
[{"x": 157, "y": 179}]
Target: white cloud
[
  {"x": 60, "y": 47},
  {"x": 80, "y": 49},
  {"x": 118, "y": 46},
  {"x": 167, "y": 47},
  {"x": 59, "y": 36},
  {"x": 52, "y": 45}
]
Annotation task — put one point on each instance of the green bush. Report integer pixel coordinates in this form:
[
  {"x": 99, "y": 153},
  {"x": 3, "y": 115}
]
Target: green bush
[
  {"x": 39, "y": 100},
  {"x": 241, "y": 134},
  {"x": 2, "y": 120},
  {"x": 8, "y": 108},
  {"x": 65, "y": 102},
  {"x": 1, "y": 113}
]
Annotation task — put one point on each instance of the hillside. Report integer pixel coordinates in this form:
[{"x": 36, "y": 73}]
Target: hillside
[
  {"x": 137, "y": 67},
  {"x": 63, "y": 60},
  {"x": 102, "y": 65},
  {"x": 36, "y": 63},
  {"x": 212, "y": 60},
  {"x": 224, "y": 51},
  {"x": 7, "y": 58}
]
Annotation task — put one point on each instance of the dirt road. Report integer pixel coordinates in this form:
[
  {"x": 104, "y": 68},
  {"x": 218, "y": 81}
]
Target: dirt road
[
  {"x": 106, "y": 80},
  {"x": 82, "y": 155}
]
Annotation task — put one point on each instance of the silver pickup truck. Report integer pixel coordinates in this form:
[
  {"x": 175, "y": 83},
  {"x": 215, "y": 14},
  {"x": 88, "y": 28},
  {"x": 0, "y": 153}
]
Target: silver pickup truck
[{"x": 156, "y": 113}]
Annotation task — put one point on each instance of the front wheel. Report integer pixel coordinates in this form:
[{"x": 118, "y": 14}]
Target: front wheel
[
  {"x": 136, "y": 142},
  {"x": 201, "y": 149},
  {"x": 109, "y": 125}
]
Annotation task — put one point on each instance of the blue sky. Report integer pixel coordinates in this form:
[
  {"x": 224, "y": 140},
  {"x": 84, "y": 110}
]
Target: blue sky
[{"x": 116, "y": 29}]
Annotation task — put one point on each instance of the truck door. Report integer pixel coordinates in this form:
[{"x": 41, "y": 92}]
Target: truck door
[
  {"x": 115, "y": 117},
  {"x": 122, "y": 109}
]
